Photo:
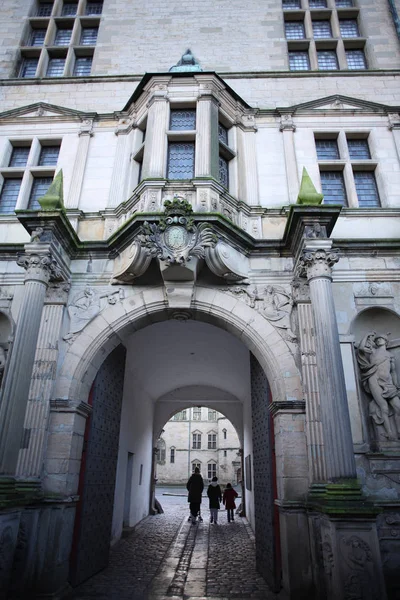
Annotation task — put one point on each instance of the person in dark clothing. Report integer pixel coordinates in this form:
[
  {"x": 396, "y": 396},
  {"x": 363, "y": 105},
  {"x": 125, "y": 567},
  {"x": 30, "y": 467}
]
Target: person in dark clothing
[
  {"x": 215, "y": 496},
  {"x": 229, "y": 500},
  {"x": 195, "y": 487}
]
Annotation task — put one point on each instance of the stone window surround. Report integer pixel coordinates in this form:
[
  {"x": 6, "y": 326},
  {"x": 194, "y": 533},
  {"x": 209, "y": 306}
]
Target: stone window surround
[
  {"x": 348, "y": 165},
  {"x": 337, "y": 43},
  {"x": 31, "y": 169},
  {"x": 50, "y": 49}
]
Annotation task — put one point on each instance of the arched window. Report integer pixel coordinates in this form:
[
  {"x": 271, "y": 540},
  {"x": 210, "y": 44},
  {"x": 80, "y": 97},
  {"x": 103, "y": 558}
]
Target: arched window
[
  {"x": 161, "y": 451},
  {"x": 172, "y": 455},
  {"x": 224, "y": 432}
]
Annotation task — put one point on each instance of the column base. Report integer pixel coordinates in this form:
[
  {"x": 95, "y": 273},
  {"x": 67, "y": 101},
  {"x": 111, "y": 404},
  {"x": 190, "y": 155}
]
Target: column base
[
  {"x": 17, "y": 492},
  {"x": 340, "y": 498}
]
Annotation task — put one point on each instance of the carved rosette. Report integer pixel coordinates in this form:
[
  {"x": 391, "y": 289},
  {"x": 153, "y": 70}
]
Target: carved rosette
[
  {"x": 317, "y": 263},
  {"x": 40, "y": 267}
]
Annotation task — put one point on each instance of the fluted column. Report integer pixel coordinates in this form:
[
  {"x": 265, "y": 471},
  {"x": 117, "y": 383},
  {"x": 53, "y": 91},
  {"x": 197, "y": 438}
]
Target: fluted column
[
  {"x": 155, "y": 148},
  {"x": 288, "y": 128},
  {"x": 85, "y": 133},
  {"x": 207, "y": 143},
  {"x": 317, "y": 260},
  {"x": 40, "y": 266},
  {"x": 121, "y": 162},
  {"x": 247, "y": 176}
]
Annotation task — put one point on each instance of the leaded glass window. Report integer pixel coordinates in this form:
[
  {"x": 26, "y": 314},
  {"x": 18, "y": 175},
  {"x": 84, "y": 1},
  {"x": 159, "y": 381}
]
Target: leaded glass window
[
  {"x": 348, "y": 28},
  {"x": 211, "y": 470},
  {"x": 9, "y": 194},
  {"x": 182, "y": 120},
  {"x": 327, "y": 60},
  {"x": 344, "y": 3},
  {"x": 322, "y": 29},
  {"x": 83, "y": 66},
  {"x": 299, "y": 61},
  {"x": 294, "y": 30},
  {"x": 317, "y": 3},
  {"x": 55, "y": 67},
  {"x": 222, "y": 134},
  {"x": 37, "y": 37},
  {"x": 89, "y": 36},
  {"x": 63, "y": 37},
  {"x": 39, "y": 188},
  {"x": 196, "y": 444},
  {"x": 180, "y": 160},
  {"x": 327, "y": 149},
  {"x": 223, "y": 171},
  {"x": 49, "y": 155},
  {"x": 28, "y": 67},
  {"x": 367, "y": 191},
  {"x": 19, "y": 157},
  {"x": 333, "y": 187},
  {"x": 69, "y": 9},
  {"x": 94, "y": 8},
  {"x": 356, "y": 59},
  {"x": 172, "y": 455},
  {"x": 290, "y": 4},
  {"x": 44, "y": 9},
  {"x": 358, "y": 149}
]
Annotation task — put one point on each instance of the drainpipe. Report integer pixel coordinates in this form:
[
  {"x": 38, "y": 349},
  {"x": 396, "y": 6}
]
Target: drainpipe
[{"x": 395, "y": 16}]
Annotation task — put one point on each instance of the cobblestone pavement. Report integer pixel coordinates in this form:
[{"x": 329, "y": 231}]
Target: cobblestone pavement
[{"x": 167, "y": 558}]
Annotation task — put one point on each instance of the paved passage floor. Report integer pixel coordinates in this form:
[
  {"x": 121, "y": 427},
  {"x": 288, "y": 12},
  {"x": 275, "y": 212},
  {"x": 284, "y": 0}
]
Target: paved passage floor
[{"x": 167, "y": 558}]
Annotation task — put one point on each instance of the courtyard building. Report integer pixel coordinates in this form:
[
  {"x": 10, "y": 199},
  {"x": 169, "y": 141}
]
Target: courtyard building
[{"x": 199, "y": 206}]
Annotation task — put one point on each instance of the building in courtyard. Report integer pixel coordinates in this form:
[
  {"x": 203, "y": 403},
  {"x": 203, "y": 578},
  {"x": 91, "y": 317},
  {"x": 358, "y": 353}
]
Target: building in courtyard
[
  {"x": 198, "y": 437},
  {"x": 199, "y": 206}
]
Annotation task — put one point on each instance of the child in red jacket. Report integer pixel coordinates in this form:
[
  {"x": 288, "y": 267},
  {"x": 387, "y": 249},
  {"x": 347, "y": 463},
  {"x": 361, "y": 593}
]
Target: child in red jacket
[{"x": 229, "y": 500}]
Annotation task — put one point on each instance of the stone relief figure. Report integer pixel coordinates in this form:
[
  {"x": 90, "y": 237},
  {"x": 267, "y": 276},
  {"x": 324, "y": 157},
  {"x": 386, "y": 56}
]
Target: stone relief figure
[
  {"x": 85, "y": 306},
  {"x": 379, "y": 379},
  {"x": 277, "y": 307}
]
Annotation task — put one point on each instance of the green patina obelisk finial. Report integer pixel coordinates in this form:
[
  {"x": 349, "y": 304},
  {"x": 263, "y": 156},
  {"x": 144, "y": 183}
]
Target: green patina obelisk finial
[
  {"x": 307, "y": 193},
  {"x": 54, "y": 197}
]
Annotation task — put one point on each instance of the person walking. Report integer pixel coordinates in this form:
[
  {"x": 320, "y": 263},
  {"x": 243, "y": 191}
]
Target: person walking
[
  {"x": 195, "y": 487},
  {"x": 229, "y": 501},
  {"x": 215, "y": 496}
]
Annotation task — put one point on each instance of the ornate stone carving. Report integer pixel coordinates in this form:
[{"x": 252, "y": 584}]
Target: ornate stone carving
[
  {"x": 286, "y": 123},
  {"x": 359, "y": 580},
  {"x": 317, "y": 263},
  {"x": 57, "y": 293},
  {"x": 315, "y": 231},
  {"x": 373, "y": 290},
  {"x": 176, "y": 239},
  {"x": 327, "y": 555},
  {"x": 86, "y": 305},
  {"x": 225, "y": 261},
  {"x": 40, "y": 266},
  {"x": 131, "y": 263},
  {"x": 380, "y": 381},
  {"x": 300, "y": 290}
]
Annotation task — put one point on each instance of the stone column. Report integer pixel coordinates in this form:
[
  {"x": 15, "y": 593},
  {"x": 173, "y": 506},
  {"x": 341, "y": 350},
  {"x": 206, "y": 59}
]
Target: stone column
[
  {"x": 85, "y": 133},
  {"x": 317, "y": 260},
  {"x": 121, "y": 162},
  {"x": 30, "y": 460},
  {"x": 155, "y": 148},
  {"x": 40, "y": 265},
  {"x": 247, "y": 176},
  {"x": 207, "y": 143},
  {"x": 287, "y": 127}
]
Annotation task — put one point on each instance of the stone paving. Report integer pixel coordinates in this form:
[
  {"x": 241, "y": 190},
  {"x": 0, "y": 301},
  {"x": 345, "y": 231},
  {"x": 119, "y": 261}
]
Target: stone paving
[{"x": 167, "y": 558}]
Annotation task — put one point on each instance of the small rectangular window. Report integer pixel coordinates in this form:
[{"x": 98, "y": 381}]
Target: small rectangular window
[
  {"x": 9, "y": 194},
  {"x": 37, "y": 37},
  {"x": 225, "y": 453},
  {"x": 180, "y": 160},
  {"x": 317, "y": 3},
  {"x": 69, "y": 9},
  {"x": 49, "y": 156},
  {"x": 212, "y": 441},
  {"x": 358, "y": 149},
  {"x": 367, "y": 191},
  {"x": 19, "y": 156},
  {"x": 356, "y": 59},
  {"x": 327, "y": 60},
  {"x": 333, "y": 187},
  {"x": 294, "y": 30},
  {"x": 322, "y": 29},
  {"x": 291, "y": 4},
  {"x": 196, "y": 441},
  {"x": 327, "y": 149},
  {"x": 44, "y": 9},
  {"x": 89, "y": 36},
  {"x": 63, "y": 37},
  {"x": 172, "y": 455},
  {"x": 299, "y": 61},
  {"x": 348, "y": 28},
  {"x": 182, "y": 120},
  {"x": 94, "y": 8},
  {"x": 39, "y": 188},
  {"x": 55, "y": 68},
  {"x": 28, "y": 67},
  {"x": 83, "y": 66}
]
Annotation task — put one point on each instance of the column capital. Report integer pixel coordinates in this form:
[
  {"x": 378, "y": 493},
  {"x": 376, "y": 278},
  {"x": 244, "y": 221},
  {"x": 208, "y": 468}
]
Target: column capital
[
  {"x": 317, "y": 262},
  {"x": 39, "y": 263},
  {"x": 286, "y": 123}
]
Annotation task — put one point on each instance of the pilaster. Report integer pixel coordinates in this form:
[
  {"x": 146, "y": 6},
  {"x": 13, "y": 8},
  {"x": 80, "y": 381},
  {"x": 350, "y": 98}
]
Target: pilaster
[
  {"x": 287, "y": 127},
  {"x": 121, "y": 163},
  {"x": 155, "y": 148},
  {"x": 85, "y": 133},
  {"x": 207, "y": 145},
  {"x": 248, "y": 179}
]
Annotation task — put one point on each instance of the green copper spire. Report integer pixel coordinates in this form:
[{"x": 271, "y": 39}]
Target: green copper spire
[
  {"x": 54, "y": 198},
  {"x": 307, "y": 193}
]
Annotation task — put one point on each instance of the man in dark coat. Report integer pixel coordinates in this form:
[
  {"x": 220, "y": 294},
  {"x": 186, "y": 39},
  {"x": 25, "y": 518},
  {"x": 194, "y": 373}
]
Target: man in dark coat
[{"x": 195, "y": 488}]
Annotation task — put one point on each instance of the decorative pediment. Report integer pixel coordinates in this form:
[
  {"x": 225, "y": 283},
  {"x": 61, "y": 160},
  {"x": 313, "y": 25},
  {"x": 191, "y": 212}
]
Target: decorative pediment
[
  {"x": 42, "y": 110},
  {"x": 337, "y": 103}
]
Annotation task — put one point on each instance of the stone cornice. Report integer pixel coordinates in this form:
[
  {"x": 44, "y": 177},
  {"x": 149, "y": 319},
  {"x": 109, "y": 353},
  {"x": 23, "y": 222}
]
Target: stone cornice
[{"x": 287, "y": 406}]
